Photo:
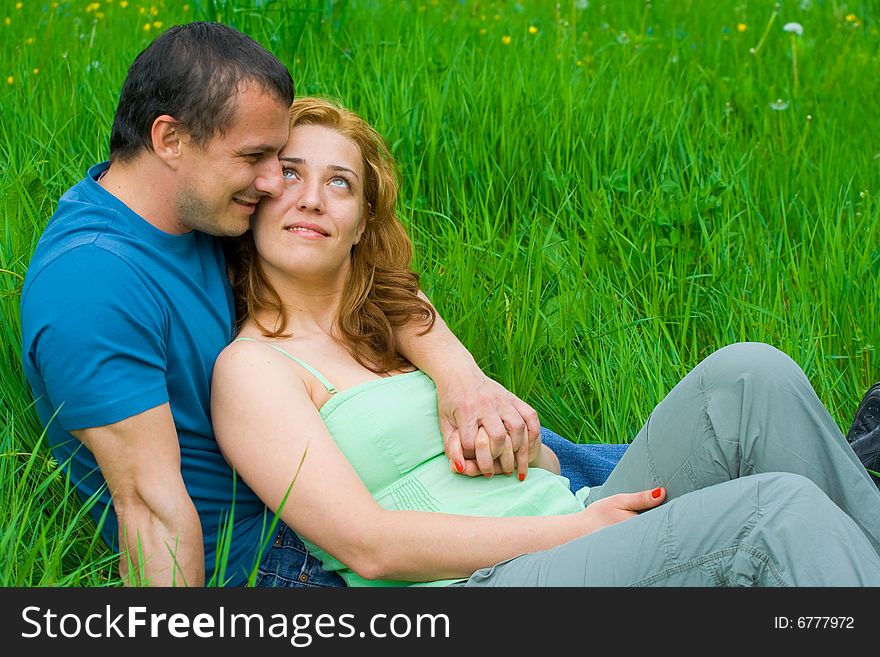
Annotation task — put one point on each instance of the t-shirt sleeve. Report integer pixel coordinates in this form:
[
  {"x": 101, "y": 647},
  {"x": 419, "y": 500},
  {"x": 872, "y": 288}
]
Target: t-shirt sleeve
[{"x": 98, "y": 339}]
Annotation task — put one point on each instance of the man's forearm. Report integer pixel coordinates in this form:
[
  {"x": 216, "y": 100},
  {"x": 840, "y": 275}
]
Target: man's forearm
[
  {"x": 439, "y": 353},
  {"x": 159, "y": 551},
  {"x": 160, "y": 533}
]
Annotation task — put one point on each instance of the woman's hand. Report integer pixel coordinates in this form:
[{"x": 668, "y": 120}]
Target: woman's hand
[{"x": 623, "y": 506}]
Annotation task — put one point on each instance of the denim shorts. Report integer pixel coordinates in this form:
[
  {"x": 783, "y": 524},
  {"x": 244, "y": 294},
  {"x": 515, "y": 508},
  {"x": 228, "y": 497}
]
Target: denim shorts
[{"x": 288, "y": 564}]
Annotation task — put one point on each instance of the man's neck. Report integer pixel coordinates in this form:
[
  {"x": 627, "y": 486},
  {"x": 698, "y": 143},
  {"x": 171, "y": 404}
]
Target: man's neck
[{"x": 147, "y": 189}]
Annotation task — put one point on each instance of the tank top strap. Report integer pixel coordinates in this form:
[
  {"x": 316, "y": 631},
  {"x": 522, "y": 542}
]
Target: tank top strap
[{"x": 330, "y": 388}]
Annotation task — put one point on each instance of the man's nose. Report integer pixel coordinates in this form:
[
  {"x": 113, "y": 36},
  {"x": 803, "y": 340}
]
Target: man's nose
[{"x": 270, "y": 182}]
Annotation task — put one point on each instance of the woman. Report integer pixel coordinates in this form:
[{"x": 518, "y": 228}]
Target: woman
[{"x": 741, "y": 476}]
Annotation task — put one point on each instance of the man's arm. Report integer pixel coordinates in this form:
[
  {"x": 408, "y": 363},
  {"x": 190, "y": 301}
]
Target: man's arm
[
  {"x": 159, "y": 527},
  {"x": 468, "y": 400}
]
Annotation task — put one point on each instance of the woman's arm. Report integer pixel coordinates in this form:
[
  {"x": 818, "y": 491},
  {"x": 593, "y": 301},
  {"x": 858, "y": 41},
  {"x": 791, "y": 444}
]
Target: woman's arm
[
  {"x": 267, "y": 425},
  {"x": 469, "y": 400}
]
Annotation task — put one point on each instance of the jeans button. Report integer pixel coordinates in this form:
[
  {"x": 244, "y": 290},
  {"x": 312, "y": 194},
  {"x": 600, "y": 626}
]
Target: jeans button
[{"x": 303, "y": 577}]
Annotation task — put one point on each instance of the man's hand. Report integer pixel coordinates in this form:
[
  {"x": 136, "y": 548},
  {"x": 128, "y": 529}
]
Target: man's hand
[{"x": 486, "y": 429}]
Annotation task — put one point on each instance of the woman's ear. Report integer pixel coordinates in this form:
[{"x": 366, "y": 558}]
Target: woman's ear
[{"x": 363, "y": 223}]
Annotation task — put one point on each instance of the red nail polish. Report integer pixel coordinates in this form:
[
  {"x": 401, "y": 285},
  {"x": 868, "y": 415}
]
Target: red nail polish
[
  {"x": 459, "y": 467},
  {"x": 656, "y": 493},
  {"x": 522, "y": 476}
]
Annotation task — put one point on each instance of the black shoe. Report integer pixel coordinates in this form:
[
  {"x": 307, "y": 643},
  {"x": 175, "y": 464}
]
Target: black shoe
[
  {"x": 864, "y": 434},
  {"x": 867, "y": 416}
]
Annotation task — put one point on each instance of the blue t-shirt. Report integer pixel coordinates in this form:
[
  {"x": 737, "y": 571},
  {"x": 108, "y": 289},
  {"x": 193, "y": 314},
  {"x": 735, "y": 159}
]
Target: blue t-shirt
[{"x": 119, "y": 317}]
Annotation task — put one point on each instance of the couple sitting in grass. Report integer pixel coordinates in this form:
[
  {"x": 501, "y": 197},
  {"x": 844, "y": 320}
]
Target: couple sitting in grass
[{"x": 325, "y": 411}]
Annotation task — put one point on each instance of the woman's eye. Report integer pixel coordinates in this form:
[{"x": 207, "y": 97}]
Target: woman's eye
[
  {"x": 339, "y": 182},
  {"x": 288, "y": 174}
]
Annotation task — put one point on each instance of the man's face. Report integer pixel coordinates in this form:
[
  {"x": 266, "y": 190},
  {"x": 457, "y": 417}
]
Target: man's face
[{"x": 221, "y": 182}]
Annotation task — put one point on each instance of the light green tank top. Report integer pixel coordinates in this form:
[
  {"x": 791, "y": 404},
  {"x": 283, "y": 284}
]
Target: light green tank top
[{"x": 389, "y": 430}]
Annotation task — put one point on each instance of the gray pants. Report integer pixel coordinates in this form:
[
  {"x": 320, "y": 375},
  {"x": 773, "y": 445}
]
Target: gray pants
[{"x": 762, "y": 490}]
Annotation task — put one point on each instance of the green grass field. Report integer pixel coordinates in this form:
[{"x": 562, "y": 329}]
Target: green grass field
[{"x": 600, "y": 194}]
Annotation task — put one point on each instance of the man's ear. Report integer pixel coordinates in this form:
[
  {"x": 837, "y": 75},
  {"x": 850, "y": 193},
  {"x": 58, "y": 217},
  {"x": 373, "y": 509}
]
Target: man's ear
[{"x": 167, "y": 139}]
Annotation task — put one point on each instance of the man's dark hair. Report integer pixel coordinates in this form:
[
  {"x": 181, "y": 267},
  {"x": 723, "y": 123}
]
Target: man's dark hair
[{"x": 193, "y": 73}]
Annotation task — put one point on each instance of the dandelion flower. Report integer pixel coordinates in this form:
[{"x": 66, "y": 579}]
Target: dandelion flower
[
  {"x": 7, "y": 20},
  {"x": 779, "y": 105},
  {"x": 533, "y": 29},
  {"x": 147, "y": 27},
  {"x": 796, "y": 30},
  {"x": 123, "y": 4},
  {"x": 36, "y": 71},
  {"x": 851, "y": 17},
  {"x": 741, "y": 27},
  {"x": 18, "y": 5},
  {"x": 157, "y": 24},
  {"x": 482, "y": 30},
  {"x": 505, "y": 40},
  {"x": 10, "y": 80}
]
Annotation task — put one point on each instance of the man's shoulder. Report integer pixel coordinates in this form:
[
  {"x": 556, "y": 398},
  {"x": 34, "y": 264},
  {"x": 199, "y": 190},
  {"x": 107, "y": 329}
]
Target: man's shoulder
[
  {"x": 74, "y": 263},
  {"x": 82, "y": 277},
  {"x": 84, "y": 237},
  {"x": 79, "y": 220}
]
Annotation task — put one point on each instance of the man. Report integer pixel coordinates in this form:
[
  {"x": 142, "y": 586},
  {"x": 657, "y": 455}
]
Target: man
[{"x": 126, "y": 305}]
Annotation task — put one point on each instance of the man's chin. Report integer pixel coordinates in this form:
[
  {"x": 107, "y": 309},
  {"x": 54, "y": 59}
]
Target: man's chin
[{"x": 232, "y": 227}]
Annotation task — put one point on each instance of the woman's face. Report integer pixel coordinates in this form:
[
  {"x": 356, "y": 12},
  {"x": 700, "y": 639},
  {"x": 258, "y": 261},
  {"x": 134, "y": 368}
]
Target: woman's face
[{"x": 310, "y": 229}]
